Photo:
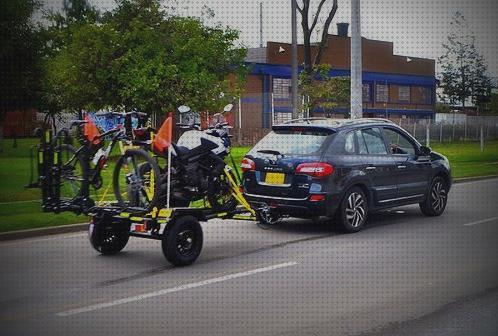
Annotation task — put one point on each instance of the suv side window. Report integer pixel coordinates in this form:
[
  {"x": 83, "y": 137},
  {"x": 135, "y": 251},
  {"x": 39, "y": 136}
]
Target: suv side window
[
  {"x": 373, "y": 141},
  {"x": 398, "y": 143},
  {"x": 349, "y": 143}
]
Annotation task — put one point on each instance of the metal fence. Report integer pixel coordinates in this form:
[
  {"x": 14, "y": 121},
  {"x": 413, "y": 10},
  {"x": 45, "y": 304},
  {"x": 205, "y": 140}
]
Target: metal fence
[
  {"x": 426, "y": 131},
  {"x": 443, "y": 128},
  {"x": 471, "y": 128}
]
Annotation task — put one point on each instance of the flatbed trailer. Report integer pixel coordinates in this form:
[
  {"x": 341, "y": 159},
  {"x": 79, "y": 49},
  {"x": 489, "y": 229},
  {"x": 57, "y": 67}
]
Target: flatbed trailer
[
  {"x": 111, "y": 226},
  {"x": 178, "y": 229}
]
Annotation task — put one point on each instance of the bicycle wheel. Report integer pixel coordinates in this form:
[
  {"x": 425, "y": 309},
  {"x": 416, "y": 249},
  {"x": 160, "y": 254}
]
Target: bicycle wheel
[
  {"x": 74, "y": 173},
  {"x": 135, "y": 180}
]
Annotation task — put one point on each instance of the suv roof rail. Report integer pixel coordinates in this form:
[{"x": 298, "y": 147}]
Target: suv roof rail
[
  {"x": 379, "y": 120},
  {"x": 338, "y": 121},
  {"x": 308, "y": 120}
]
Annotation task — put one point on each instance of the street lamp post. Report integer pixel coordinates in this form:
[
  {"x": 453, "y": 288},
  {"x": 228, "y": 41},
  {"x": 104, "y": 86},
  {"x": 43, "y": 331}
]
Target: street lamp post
[
  {"x": 356, "y": 66},
  {"x": 295, "y": 113}
]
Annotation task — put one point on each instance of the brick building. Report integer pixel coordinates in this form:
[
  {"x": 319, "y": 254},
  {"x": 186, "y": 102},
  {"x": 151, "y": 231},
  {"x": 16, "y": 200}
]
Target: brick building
[{"x": 394, "y": 86}]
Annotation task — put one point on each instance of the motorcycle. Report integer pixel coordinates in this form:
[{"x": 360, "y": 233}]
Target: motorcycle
[{"x": 198, "y": 170}]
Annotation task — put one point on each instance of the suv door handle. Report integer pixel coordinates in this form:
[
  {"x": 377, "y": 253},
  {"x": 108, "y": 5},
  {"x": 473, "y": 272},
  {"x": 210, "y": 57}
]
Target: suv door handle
[
  {"x": 371, "y": 168},
  {"x": 401, "y": 167}
]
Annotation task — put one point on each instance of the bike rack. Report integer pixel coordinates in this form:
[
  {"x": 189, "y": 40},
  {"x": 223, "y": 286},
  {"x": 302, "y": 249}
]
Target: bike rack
[
  {"x": 48, "y": 163},
  {"x": 157, "y": 224}
]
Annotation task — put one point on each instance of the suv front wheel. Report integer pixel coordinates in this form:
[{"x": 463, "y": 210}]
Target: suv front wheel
[
  {"x": 435, "y": 203},
  {"x": 352, "y": 213}
]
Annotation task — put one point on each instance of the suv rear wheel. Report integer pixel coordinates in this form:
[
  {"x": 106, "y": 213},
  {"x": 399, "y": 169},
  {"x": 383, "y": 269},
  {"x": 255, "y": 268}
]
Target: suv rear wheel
[{"x": 353, "y": 211}]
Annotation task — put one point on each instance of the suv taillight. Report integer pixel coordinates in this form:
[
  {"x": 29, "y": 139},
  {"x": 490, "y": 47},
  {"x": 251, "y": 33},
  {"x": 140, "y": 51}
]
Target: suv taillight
[
  {"x": 315, "y": 169},
  {"x": 247, "y": 164}
]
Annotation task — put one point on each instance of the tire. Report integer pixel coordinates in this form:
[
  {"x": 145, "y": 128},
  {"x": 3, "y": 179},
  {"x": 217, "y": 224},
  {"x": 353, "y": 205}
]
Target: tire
[
  {"x": 437, "y": 198},
  {"x": 74, "y": 173},
  {"x": 108, "y": 239},
  {"x": 219, "y": 194},
  {"x": 131, "y": 180},
  {"x": 182, "y": 241},
  {"x": 352, "y": 213}
]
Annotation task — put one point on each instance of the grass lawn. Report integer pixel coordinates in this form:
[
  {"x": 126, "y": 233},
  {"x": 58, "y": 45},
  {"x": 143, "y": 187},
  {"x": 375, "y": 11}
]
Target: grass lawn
[
  {"x": 20, "y": 208},
  {"x": 467, "y": 160}
]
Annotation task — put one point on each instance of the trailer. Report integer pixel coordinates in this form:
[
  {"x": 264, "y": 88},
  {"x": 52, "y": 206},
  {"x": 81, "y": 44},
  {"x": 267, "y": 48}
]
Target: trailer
[{"x": 111, "y": 226}]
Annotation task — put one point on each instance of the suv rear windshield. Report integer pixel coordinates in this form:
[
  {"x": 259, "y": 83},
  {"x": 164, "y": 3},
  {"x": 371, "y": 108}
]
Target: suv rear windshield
[{"x": 293, "y": 142}]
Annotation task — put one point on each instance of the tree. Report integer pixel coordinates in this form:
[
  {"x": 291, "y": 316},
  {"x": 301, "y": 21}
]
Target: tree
[
  {"x": 57, "y": 89},
  {"x": 140, "y": 58},
  {"x": 19, "y": 58},
  {"x": 309, "y": 24},
  {"x": 463, "y": 68},
  {"x": 325, "y": 92},
  {"x": 493, "y": 103},
  {"x": 80, "y": 77},
  {"x": 61, "y": 24},
  {"x": 443, "y": 108}
]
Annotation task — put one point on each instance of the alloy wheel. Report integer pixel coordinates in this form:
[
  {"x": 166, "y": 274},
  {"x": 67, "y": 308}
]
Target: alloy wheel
[
  {"x": 438, "y": 196},
  {"x": 355, "y": 210}
]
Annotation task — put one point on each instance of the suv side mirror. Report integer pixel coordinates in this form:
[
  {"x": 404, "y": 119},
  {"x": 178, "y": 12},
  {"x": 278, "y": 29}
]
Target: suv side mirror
[{"x": 425, "y": 151}]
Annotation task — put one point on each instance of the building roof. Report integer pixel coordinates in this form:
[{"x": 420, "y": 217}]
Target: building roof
[{"x": 378, "y": 56}]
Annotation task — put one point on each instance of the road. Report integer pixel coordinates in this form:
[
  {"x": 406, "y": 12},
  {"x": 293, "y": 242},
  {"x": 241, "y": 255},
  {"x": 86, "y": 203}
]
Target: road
[{"x": 403, "y": 273}]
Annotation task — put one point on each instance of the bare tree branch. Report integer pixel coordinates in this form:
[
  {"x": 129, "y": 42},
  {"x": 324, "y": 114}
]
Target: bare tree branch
[
  {"x": 317, "y": 14},
  {"x": 323, "y": 43},
  {"x": 299, "y": 8}
]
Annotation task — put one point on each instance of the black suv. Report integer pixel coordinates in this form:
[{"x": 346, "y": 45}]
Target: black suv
[{"x": 343, "y": 169}]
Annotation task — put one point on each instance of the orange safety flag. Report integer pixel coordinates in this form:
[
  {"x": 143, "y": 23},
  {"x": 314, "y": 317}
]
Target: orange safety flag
[
  {"x": 164, "y": 136},
  {"x": 91, "y": 131}
]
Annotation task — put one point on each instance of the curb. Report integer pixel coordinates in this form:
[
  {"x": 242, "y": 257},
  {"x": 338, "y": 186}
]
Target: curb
[
  {"x": 474, "y": 179},
  {"x": 54, "y": 230}
]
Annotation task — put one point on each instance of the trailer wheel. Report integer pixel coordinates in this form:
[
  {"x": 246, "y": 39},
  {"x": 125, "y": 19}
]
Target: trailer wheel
[
  {"x": 182, "y": 241},
  {"x": 108, "y": 239}
]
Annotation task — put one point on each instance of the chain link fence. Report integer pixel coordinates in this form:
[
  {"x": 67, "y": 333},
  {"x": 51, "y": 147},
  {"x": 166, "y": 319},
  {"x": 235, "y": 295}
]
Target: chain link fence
[
  {"x": 426, "y": 131},
  {"x": 470, "y": 128}
]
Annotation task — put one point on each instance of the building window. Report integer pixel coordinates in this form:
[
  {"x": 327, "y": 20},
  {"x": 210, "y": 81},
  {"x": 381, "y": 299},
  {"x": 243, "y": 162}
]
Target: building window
[
  {"x": 422, "y": 95},
  {"x": 366, "y": 93},
  {"x": 281, "y": 88},
  {"x": 382, "y": 93},
  {"x": 404, "y": 93}
]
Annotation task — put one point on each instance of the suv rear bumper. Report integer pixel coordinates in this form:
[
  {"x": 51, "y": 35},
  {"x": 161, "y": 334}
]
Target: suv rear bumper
[{"x": 297, "y": 207}]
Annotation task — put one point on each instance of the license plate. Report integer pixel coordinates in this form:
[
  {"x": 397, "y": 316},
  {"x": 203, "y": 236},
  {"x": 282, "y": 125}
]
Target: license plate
[{"x": 275, "y": 178}]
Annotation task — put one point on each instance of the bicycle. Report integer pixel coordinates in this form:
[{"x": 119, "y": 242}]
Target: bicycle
[{"x": 82, "y": 167}]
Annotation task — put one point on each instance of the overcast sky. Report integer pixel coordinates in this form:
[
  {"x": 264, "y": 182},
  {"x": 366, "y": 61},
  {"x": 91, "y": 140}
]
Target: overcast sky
[{"x": 417, "y": 28}]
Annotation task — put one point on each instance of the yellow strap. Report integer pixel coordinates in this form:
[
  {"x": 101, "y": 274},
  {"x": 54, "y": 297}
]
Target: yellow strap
[
  {"x": 236, "y": 192},
  {"x": 150, "y": 190},
  {"x": 105, "y": 192}
]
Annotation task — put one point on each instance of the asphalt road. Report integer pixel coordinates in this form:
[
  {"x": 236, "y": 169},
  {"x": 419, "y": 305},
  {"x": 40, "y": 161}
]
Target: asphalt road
[{"x": 405, "y": 274}]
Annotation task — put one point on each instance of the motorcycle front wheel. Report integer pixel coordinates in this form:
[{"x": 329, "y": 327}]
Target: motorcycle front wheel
[
  {"x": 219, "y": 193},
  {"x": 136, "y": 180}
]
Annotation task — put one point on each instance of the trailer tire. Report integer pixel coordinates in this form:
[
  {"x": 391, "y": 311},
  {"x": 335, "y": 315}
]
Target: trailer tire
[
  {"x": 182, "y": 241},
  {"x": 108, "y": 239}
]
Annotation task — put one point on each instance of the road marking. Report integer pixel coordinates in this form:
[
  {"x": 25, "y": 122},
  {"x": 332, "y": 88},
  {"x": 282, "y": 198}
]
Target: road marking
[
  {"x": 481, "y": 221},
  {"x": 173, "y": 289}
]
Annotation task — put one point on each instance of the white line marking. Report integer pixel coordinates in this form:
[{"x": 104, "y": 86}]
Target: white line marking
[
  {"x": 481, "y": 221},
  {"x": 173, "y": 289}
]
